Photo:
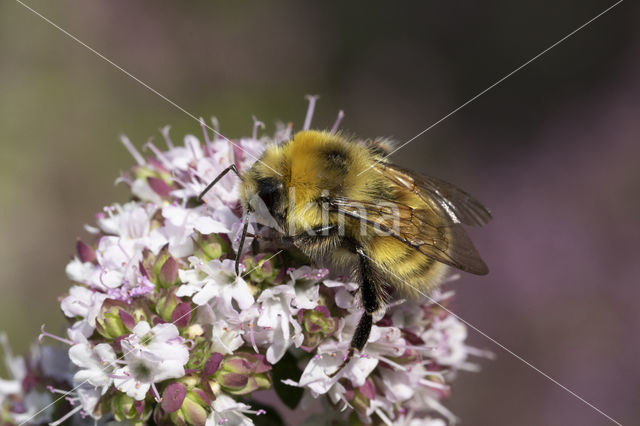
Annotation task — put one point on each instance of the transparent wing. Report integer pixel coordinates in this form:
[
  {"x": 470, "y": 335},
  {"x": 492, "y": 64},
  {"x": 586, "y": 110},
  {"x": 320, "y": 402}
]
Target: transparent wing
[
  {"x": 421, "y": 229},
  {"x": 444, "y": 199}
]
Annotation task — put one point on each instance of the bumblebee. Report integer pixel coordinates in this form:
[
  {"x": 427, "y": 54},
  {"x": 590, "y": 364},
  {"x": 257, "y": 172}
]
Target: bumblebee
[{"x": 342, "y": 202}]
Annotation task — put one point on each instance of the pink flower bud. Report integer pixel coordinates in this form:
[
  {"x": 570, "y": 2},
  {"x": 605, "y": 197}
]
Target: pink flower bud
[
  {"x": 159, "y": 186},
  {"x": 85, "y": 252}
]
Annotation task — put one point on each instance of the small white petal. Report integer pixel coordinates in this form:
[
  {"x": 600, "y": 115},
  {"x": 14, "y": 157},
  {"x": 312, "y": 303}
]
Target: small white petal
[
  {"x": 242, "y": 294},
  {"x": 112, "y": 279},
  {"x": 10, "y": 387},
  {"x": 206, "y": 225},
  {"x": 79, "y": 271},
  {"x": 170, "y": 369},
  {"x": 345, "y": 300},
  {"x": 77, "y": 302},
  {"x": 187, "y": 290},
  {"x": 141, "y": 189},
  {"x": 141, "y": 328},
  {"x": 89, "y": 398},
  {"x": 207, "y": 293},
  {"x": 306, "y": 295}
]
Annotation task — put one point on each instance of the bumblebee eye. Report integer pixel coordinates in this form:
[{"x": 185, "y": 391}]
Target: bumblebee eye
[{"x": 270, "y": 190}]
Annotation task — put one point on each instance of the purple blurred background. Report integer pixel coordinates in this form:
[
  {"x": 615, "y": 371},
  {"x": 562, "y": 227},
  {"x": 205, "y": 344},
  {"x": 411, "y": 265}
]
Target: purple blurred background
[{"x": 553, "y": 151}]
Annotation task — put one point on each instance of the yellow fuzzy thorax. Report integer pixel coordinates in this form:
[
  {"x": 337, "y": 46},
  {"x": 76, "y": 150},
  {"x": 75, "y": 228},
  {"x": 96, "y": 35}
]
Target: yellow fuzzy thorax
[{"x": 303, "y": 166}]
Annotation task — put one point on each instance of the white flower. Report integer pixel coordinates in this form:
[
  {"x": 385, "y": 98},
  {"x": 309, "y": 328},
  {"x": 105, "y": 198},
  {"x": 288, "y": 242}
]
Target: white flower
[
  {"x": 180, "y": 157},
  {"x": 84, "y": 398},
  {"x": 128, "y": 229},
  {"x": 54, "y": 362},
  {"x": 118, "y": 258},
  {"x": 80, "y": 331},
  {"x": 36, "y": 405},
  {"x": 225, "y": 339},
  {"x": 398, "y": 385},
  {"x": 447, "y": 337},
  {"x": 304, "y": 281},
  {"x": 79, "y": 271},
  {"x": 215, "y": 279},
  {"x": 250, "y": 150},
  {"x": 88, "y": 398},
  {"x": 130, "y": 221},
  {"x": 152, "y": 355},
  {"x": 14, "y": 365},
  {"x": 162, "y": 342},
  {"x": 225, "y": 192},
  {"x": 96, "y": 364},
  {"x": 141, "y": 189},
  {"x": 9, "y": 387},
  {"x": 37, "y": 408},
  {"x": 385, "y": 342},
  {"x": 409, "y": 316},
  {"x": 344, "y": 297},
  {"x": 426, "y": 399},
  {"x": 180, "y": 224},
  {"x": 307, "y": 273},
  {"x": 330, "y": 356},
  {"x": 228, "y": 412},
  {"x": 83, "y": 302},
  {"x": 277, "y": 315}
]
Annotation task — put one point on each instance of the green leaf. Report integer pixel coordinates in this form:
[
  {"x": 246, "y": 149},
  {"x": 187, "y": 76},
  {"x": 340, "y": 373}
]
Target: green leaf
[{"x": 287, "y": 368}]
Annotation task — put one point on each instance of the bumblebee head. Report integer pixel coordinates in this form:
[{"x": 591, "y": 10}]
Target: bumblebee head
[
  {"x": 289, "y": 179},
  {"x": 264, "y": 185}
]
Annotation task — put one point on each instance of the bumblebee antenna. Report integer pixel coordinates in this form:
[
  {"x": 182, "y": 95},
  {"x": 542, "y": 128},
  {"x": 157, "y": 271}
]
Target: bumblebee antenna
[
  {"x": 245, "y": 225},
  {"x": 220, "y": 176}
]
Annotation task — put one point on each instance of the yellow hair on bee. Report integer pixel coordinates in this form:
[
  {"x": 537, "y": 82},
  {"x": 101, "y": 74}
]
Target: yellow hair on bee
[
  {"x": 410, "y": 271},
  {"x": 314, "y": 164}
]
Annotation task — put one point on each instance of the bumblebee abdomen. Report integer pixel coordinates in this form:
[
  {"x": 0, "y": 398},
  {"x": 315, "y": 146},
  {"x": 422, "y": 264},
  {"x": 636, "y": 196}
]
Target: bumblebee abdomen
[{"x": 409, "y": 270}]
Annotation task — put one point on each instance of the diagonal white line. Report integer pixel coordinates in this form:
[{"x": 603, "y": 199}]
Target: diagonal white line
[
  {"x": 498, "y": 82},
  {"x": 64, "y": 395},
  {"x": 257, "y": 266},
  {"x": 124, "y": 71},
  {"x": 500, "y": 345}
]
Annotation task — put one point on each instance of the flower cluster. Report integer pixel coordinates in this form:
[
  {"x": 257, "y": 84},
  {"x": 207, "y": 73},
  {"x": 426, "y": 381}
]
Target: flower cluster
[{"x": 162, "y": 330}]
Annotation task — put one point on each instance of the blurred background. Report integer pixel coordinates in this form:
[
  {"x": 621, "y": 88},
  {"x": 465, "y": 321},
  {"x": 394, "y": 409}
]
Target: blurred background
[{"x": 553, "y": 151}]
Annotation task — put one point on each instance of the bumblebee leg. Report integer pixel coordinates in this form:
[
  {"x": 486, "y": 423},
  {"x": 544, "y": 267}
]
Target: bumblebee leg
[
  {"x": 245, "y": 225},
  {"x": 370, "y": 301}
]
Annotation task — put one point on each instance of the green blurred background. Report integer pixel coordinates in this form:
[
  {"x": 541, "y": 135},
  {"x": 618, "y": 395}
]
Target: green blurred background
[{"x": 553, "y": 151}]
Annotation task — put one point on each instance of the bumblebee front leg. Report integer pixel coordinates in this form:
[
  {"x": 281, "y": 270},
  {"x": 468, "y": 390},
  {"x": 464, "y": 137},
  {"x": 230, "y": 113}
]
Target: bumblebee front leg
[
  {"x": 231, "y": 168},
  {"x": 370, "y": 296}
]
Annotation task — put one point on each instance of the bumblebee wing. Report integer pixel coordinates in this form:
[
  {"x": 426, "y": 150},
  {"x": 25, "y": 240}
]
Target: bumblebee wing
[
  {"x": 442, "y": 198},
  {"x": 420, "y": 229}
]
